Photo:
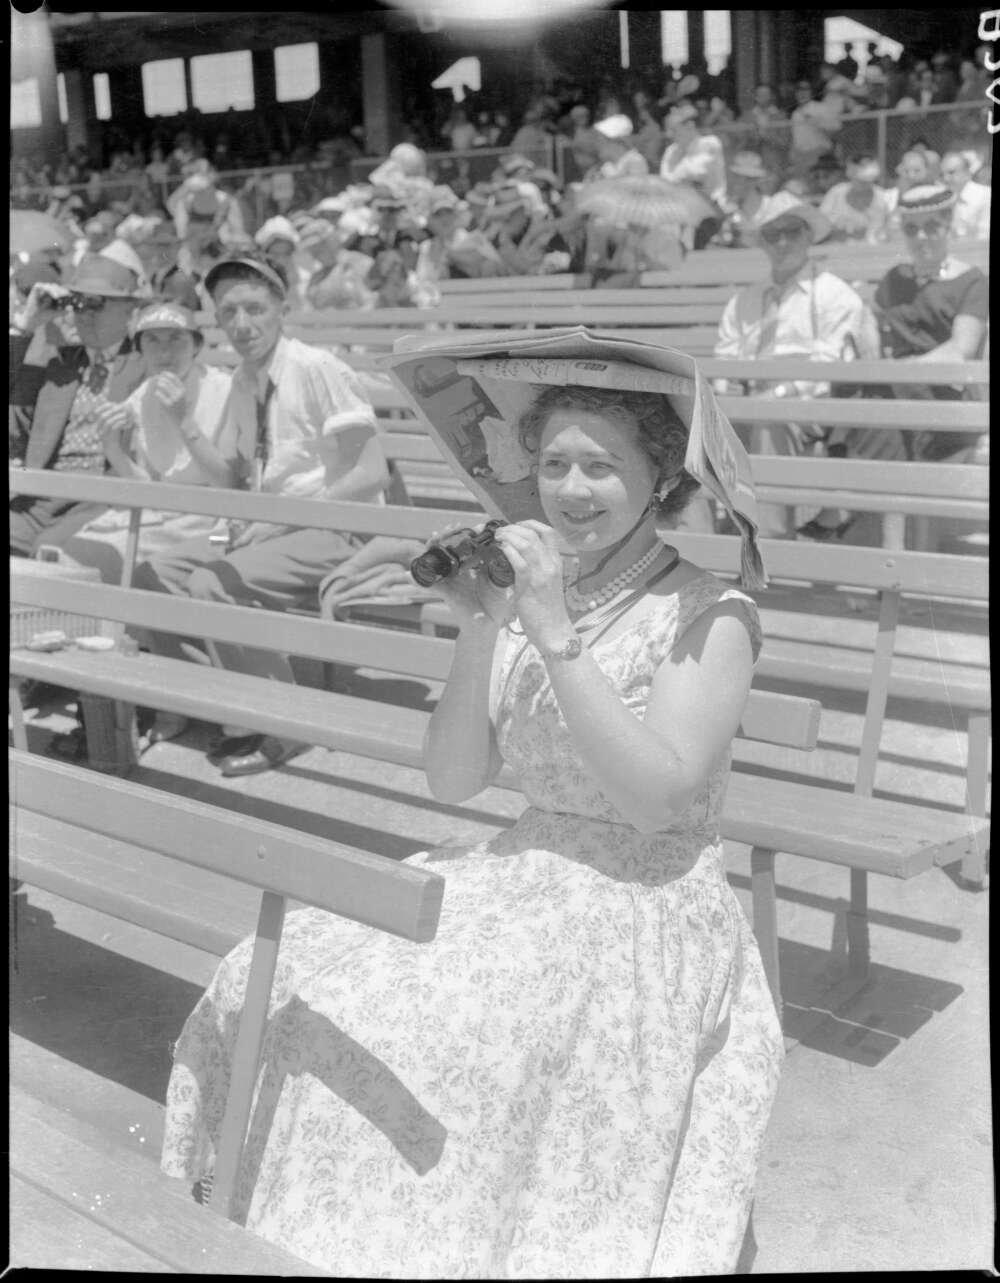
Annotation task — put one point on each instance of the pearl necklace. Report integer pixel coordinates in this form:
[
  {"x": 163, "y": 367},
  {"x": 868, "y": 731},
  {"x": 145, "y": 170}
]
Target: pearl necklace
[{"x": 590, "y": 601}]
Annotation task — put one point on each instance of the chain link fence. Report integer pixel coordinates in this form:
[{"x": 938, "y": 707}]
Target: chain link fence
[{"x": 887, "y": 135}]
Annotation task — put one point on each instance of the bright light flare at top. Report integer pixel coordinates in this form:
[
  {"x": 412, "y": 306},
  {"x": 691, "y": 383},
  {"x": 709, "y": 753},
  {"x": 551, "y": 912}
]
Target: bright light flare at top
[{"x": 434, "y": 14}]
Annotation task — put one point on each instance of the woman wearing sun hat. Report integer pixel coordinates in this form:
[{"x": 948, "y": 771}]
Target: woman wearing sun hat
[
  {"x": 167, "y": 430},
  {"x": 573, "y": 1079},
  {"x": 932, "y": 308}
]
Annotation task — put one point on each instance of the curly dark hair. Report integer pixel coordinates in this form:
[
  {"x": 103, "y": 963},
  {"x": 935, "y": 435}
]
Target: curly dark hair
[{"x": 661, "y": 433}]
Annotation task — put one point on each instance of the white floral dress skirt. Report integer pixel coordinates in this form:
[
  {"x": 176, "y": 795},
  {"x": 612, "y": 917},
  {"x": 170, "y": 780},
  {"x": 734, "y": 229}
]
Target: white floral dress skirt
[{"x": 572, "y": 1080}]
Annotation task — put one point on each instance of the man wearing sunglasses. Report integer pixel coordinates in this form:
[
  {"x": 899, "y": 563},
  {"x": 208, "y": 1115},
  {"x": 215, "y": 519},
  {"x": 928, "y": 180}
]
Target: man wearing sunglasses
[
  {"x": 804, "y": 312},
  {"x": 57, "y": 386}
]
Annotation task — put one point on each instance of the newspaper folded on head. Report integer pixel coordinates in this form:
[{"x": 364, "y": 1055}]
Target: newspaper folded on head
[{"x": 471, "y": 395}]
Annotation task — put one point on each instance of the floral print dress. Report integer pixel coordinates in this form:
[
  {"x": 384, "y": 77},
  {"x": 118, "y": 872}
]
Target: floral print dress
[{"x": 572, "y": 1080}]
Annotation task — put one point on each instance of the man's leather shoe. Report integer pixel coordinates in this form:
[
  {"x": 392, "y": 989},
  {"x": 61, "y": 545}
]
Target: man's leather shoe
[
  {"x": 230, "y": 744},
  {"x": 271, "y": 752}
]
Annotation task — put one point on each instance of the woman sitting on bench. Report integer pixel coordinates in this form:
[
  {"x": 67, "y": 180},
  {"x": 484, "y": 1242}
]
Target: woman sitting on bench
[
  {"x": 165, "y": 431},
  {"x": 574, "y": 1078}
]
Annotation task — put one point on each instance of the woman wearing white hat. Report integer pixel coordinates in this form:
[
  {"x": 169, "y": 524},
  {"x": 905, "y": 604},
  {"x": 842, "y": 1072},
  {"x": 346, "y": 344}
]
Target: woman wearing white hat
[
  {"x": 616, "y": 153},
  {"x": 167, "y": 430},
  {"x": 697, "y": 159}
]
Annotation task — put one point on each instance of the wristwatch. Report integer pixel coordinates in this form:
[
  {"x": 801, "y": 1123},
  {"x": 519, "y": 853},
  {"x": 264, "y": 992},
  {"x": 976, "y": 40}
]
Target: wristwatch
[{"x": 571, "y": 649}]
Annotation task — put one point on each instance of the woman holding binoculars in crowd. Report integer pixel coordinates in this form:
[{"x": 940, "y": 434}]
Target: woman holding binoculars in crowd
[{"x": 574, "y": 1078}]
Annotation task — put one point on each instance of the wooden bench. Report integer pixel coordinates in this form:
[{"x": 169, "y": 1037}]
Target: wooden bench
[
  {"x": 715, "y": 265},
  {"x": 862, "y": 833},
  {"x": 75, "y": 833}
]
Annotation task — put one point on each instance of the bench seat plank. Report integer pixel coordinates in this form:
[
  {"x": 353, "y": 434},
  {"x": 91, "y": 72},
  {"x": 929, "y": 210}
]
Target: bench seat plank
[
  {"x": 68, "y": 1159},
  {"x": 874, "y": 834},
  {"x": 367, "y": 888},
  {"x": 367, "y": 727},
  {"x": 813, "y": 821},
  {"x": 46, "y": 1234}
]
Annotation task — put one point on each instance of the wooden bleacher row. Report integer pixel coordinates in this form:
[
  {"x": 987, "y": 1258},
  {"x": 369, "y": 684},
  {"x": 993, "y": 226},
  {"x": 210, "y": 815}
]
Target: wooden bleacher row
[
  {"x": 680, "y": 308},
  {"x": 951, "y": 577},
  {"x": 725, "y": 267}
]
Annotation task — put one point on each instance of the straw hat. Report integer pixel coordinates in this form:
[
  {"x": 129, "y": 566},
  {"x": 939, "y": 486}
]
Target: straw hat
[
  {"x": 516, "y": 164},
  {"x": 929, "y": 200},
  {"x": 615, "y": 127},
  {"x": 317, "y": 231},
  {"x": 683, "y": 112},
  {"x": 104, "y": 277},
  {"x": 688, "y": 85},
  {"x": 865, "y": 171},
  {"x": 276, "y": 229},
  {"x": 748, "y": 164},
  {"x": 166, "y": 315},
  {"x": 785, "y": 205}
]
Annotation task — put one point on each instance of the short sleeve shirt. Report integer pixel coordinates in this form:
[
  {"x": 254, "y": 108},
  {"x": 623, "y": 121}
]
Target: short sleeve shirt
[{"x": 917, "y": 316}]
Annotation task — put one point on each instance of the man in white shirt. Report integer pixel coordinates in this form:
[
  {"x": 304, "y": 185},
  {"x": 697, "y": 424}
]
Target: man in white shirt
[
  {"x": 799, "y": 311},
  {"x": 298, "y": 424},
  {"x": 972, "y": 200}
]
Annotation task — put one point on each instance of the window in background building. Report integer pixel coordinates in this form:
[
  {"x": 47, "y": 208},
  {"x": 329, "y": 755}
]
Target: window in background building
[
  {"x": 163, "y": 91},
  {"x": 25, "y": 104},
  {"x": 718, "y": 39},
  {"x": 623, "y": 37},
  {"x": 61, "y": 95},
  {"x": 674, "y": 36},
  {"x": 102, "y": 95},
  {"x": 296, "y": 72},
  {"x": 222, "y": 80}
]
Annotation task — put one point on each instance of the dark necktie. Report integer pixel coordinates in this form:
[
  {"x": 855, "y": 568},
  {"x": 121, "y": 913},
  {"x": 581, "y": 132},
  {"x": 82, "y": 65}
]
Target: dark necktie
[{"x": 261, "y": 451}]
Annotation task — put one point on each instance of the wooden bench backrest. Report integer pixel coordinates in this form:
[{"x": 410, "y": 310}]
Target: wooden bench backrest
[
  {"x": 930, "y": 574},
  {"x": 784, "y": 720}
]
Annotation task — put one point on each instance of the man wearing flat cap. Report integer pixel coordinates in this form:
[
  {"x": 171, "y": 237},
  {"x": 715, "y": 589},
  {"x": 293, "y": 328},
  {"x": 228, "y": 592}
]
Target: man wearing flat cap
[
  {"x": 298, "y": 423},
  {"x": 58, "y": 385}
]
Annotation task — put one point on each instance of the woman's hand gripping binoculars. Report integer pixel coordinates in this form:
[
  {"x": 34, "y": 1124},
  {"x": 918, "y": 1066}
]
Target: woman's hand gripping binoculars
[{"x": 470, "y": 570}]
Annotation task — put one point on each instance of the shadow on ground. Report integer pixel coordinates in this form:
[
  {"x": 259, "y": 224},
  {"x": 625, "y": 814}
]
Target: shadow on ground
[
  {"x": 869, "y": 1024},
  {"x": 110, "y": 1014}
]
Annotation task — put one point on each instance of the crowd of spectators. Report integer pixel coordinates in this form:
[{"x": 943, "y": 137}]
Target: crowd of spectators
[{"x": 107, "y": 316}]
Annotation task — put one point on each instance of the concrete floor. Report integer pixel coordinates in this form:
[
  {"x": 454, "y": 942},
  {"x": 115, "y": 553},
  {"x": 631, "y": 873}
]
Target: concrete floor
[{"x": 879, "y": 1155}]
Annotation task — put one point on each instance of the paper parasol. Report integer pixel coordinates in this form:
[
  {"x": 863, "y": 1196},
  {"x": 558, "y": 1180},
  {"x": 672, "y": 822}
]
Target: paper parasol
[{"x": 645, "y": 202}]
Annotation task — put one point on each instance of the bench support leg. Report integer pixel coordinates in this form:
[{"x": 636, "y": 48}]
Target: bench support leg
[
  {"x": 858, "y": 941},
  {"x": 765, "y": 917},
  {"x": 894, "y": 531},
  {"x": 246, "y": 1055},
  {"x": 976, "y": 791},
  {"x": 112, "y": 744}
]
